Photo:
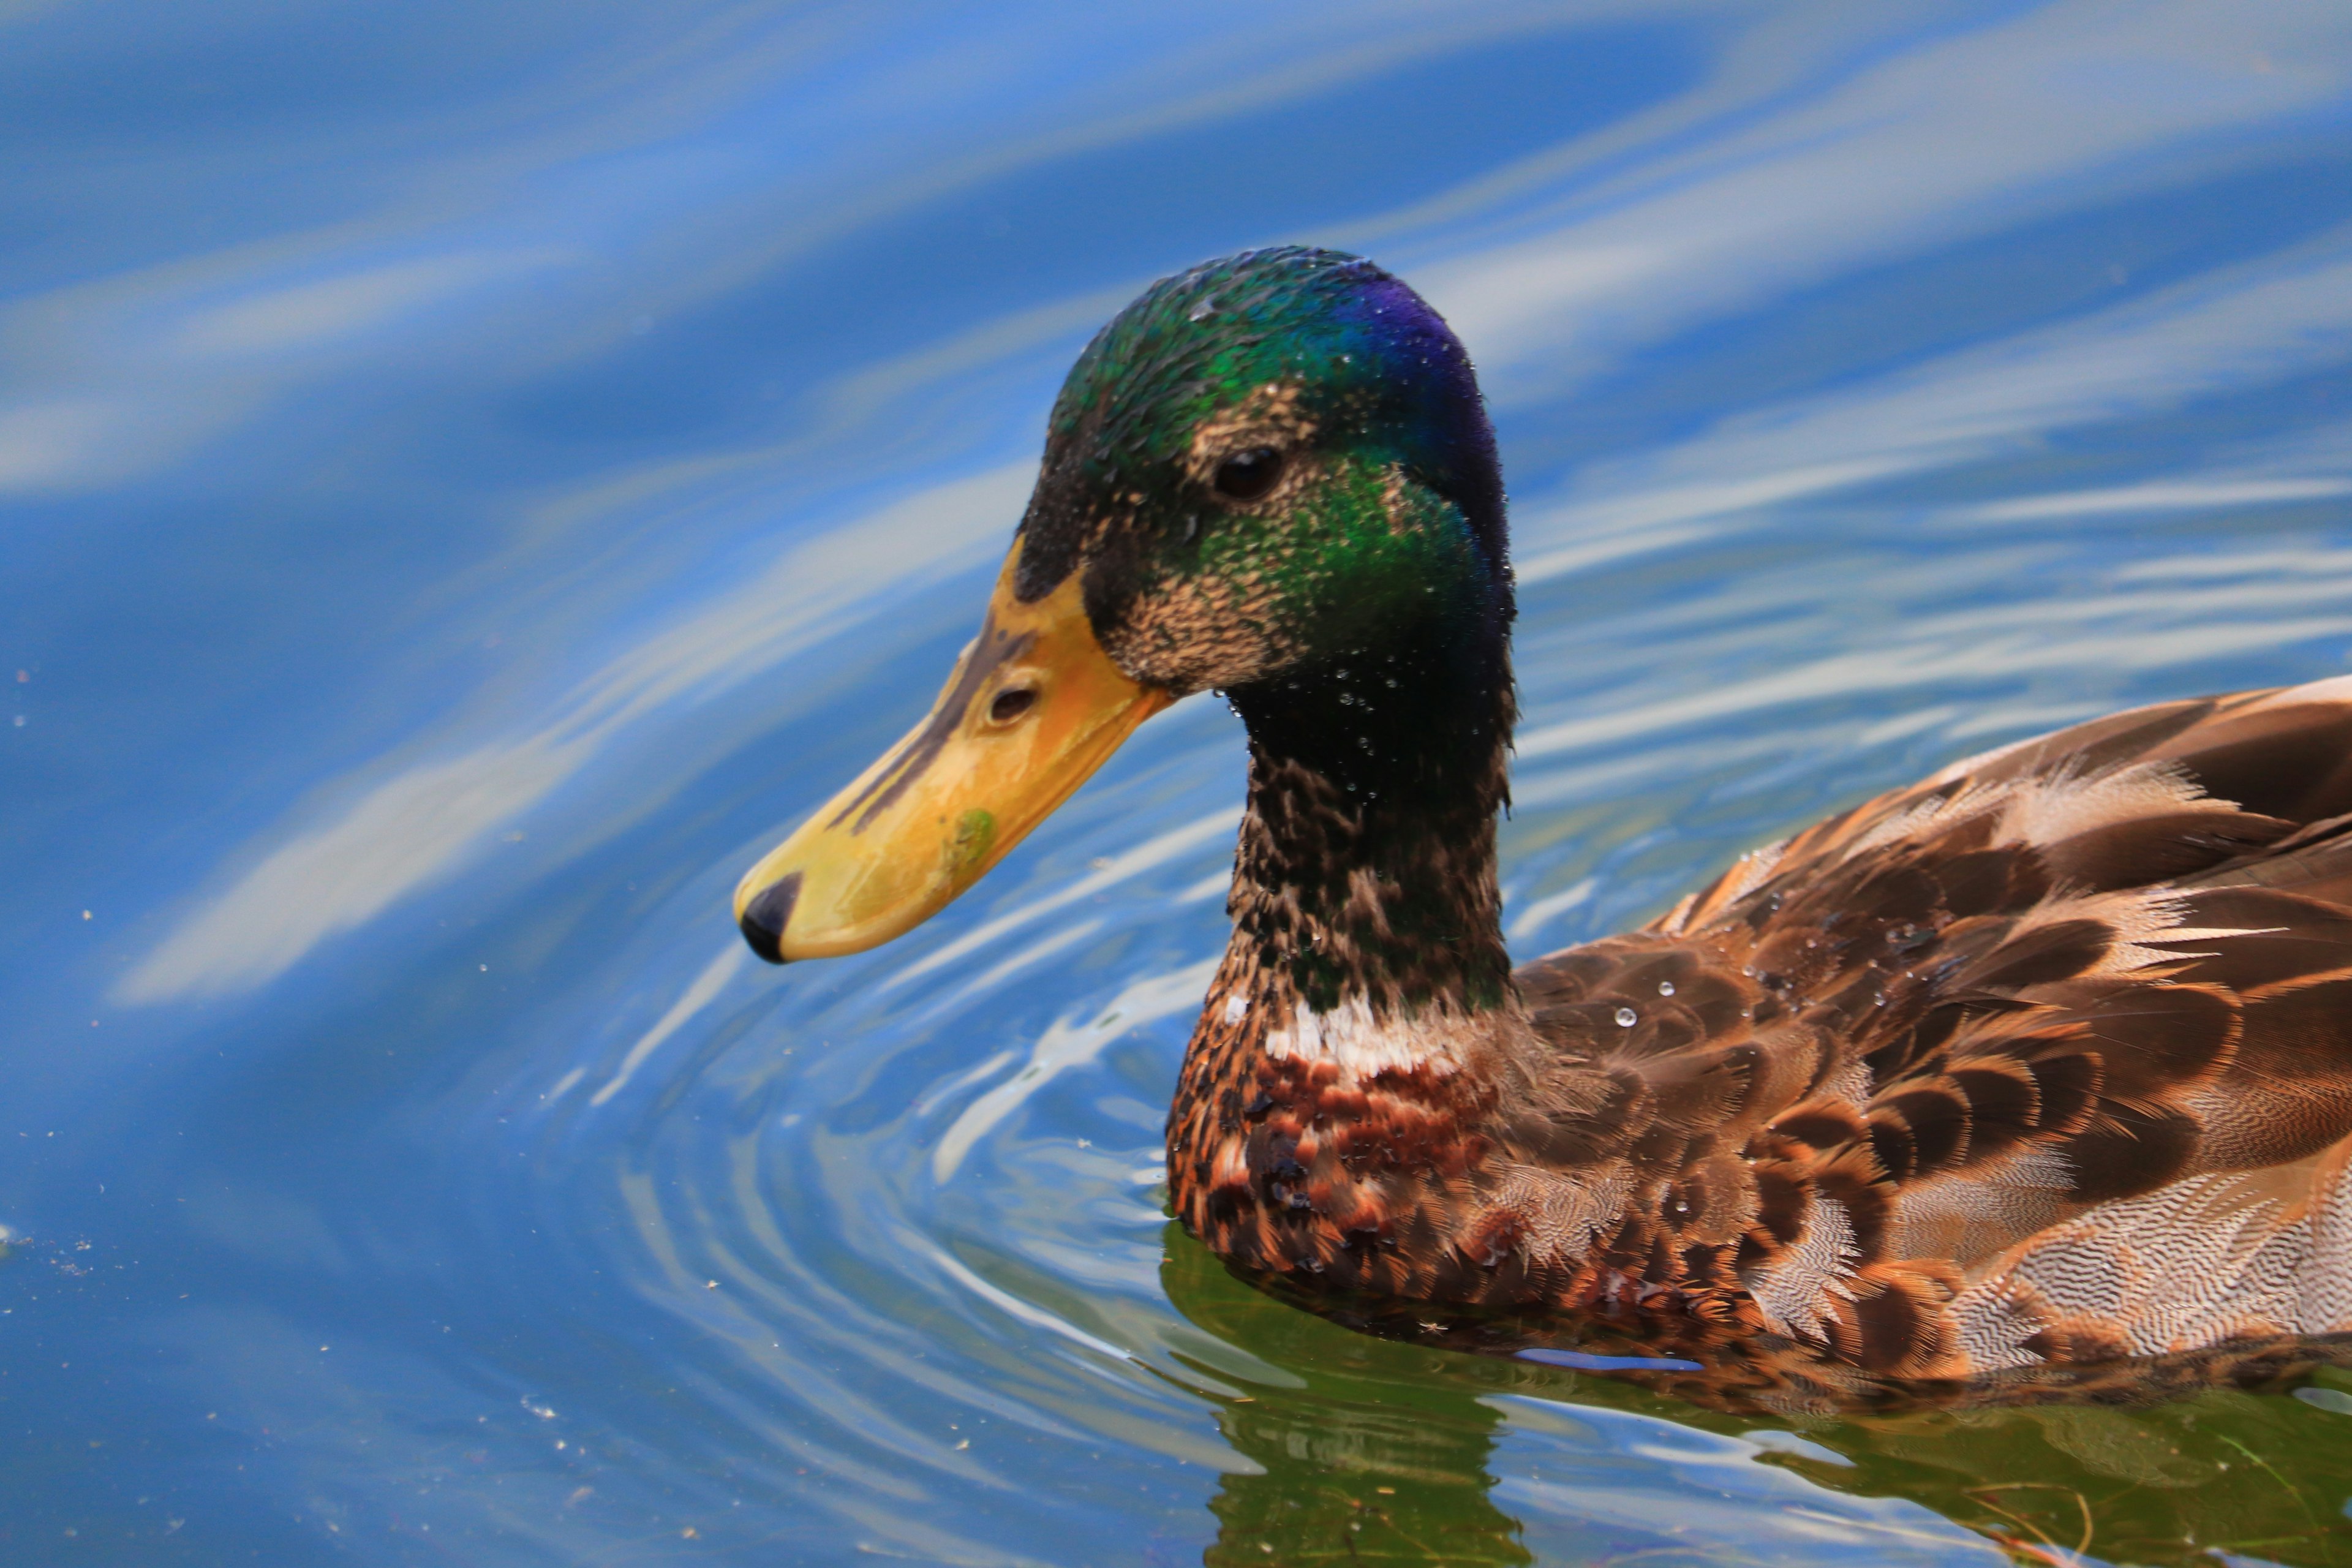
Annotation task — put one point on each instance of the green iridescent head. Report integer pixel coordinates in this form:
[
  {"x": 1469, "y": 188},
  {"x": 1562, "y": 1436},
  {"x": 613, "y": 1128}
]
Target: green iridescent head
[
  {"x": 1268, "y": 462},
  {"x": 1273, "y": 476}
]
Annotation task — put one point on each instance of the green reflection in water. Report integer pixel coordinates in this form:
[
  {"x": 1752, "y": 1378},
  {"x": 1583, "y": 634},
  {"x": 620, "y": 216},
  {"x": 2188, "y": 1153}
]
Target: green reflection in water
[
  {"x": 1383, "y": 1451},
  {"x": 1379, "y": 1455}
]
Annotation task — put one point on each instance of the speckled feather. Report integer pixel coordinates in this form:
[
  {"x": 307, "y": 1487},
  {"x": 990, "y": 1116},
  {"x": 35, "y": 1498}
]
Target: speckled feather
[{"x": 2046, "y": 1059}]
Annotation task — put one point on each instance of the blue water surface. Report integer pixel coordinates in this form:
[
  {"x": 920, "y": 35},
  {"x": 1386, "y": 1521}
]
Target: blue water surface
[{"x": 476, "y": 475}]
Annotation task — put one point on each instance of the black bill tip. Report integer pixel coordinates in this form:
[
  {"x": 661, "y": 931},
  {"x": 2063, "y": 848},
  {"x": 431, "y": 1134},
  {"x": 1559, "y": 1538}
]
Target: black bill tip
[{"x": 766, "y": 917}]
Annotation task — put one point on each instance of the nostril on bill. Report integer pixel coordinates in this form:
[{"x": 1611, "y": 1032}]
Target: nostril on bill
[
  {"x": 766, "y": 917},
  {"x": 1011, "y": 703}
]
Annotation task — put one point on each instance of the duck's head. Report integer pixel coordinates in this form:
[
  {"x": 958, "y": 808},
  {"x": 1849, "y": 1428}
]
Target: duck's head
[{"x": 1264, "y": 470}]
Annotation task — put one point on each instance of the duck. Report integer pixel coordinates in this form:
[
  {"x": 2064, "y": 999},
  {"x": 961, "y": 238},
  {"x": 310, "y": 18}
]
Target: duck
[{"x": 2044, "y": 1061}]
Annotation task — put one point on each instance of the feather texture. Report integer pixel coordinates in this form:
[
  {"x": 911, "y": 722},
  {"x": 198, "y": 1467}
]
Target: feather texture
[{"x": 2046, "y": 1059}]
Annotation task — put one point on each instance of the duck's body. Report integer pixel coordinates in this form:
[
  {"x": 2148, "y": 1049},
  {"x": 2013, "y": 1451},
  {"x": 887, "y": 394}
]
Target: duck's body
[{"x": 2047, "y": 1059}]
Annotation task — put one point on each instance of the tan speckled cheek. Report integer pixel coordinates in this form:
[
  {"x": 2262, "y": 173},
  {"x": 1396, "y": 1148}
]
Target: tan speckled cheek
[
  {"x": 1272, "y": 416},
  {"x": 1191, "y": 633}
]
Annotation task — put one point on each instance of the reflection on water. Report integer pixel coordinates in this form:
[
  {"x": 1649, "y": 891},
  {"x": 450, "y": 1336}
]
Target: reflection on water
[
  {"x": 1402, "y": 1453},
  {"x": 1365, "y": 1451},
  {"x": 475, "y": 478}
]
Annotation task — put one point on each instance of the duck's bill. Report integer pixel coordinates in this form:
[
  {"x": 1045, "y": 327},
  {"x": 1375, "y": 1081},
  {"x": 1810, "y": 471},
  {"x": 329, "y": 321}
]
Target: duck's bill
[{"x": 1033, "y": 708}]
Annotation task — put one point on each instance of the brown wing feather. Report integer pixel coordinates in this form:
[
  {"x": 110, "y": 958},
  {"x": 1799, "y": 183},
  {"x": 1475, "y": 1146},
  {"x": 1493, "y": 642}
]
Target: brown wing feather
[{"x": 1955, "y": 1056}]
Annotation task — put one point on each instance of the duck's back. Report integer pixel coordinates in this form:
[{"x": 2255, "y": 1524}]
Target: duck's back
[{"x": 2048, "y": 1057}]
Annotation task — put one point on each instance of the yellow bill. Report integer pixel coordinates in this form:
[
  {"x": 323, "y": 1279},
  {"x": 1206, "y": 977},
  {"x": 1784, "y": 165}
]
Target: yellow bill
[{"x": 1033, "y": 708}]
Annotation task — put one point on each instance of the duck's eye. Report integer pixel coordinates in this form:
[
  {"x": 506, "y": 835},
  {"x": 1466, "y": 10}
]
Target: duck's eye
[
  {"x": 1246, "y": 476},
  {"x": 1011, "y": 703}
]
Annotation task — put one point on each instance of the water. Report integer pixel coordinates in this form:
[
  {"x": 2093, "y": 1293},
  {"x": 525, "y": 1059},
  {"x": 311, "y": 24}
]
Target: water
[{"x": 477, "y": 475}]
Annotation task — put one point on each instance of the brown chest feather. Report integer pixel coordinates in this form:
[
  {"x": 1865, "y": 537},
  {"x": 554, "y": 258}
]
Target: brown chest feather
[{"x": 2046, "y": 1058}]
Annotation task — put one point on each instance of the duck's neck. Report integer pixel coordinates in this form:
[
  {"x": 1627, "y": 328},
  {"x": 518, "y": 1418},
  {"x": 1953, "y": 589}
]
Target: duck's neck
[
  {"x": 1364, "y": 884},
  {"x": 1360, "y": 1031}
]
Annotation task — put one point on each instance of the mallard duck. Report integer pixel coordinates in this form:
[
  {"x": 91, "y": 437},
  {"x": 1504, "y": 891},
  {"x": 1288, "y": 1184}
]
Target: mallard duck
[{"x": 2046, "y": 1059}]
